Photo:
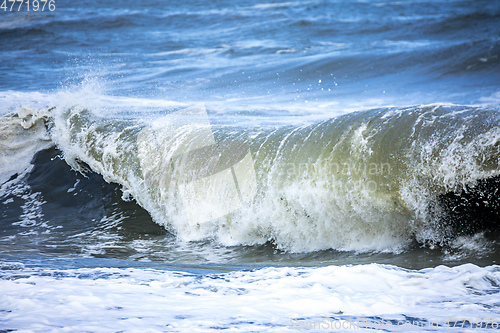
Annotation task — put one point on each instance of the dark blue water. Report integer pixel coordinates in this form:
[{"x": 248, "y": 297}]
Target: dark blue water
[{"x": 411, "y": 85}]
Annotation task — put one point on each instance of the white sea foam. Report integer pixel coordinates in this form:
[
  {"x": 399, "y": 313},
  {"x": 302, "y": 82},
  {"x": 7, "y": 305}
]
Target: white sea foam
[
  {"x": 264, "y": 300},
  {"x": 21, "y": 135}
]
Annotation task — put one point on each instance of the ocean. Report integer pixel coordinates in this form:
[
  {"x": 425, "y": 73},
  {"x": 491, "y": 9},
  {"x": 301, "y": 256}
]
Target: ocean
[{"x": 250, "y": 166}]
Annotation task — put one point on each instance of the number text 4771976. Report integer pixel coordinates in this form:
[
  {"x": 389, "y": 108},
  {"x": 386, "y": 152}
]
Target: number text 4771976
[{"x": 28, "y": 5}]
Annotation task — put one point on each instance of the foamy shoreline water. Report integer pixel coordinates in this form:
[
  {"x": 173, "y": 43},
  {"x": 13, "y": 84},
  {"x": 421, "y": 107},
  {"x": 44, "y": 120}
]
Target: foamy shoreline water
[{"x": 267, "y": 299}]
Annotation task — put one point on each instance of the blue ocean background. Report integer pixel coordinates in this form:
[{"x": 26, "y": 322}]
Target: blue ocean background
[
  {"x": 415, "y": 85},
  {"x": 403, "y": 53}
]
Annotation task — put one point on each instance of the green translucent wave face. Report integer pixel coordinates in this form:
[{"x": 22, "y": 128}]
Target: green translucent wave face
[{"x": 364, "y": 181}]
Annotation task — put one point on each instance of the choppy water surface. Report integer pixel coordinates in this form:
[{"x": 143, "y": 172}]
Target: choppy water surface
[{"x": 203, "y": 166}]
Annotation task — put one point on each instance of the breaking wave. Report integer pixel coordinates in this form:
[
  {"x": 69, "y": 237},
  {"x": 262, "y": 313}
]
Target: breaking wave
[{"x": 373, "y": 180}]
